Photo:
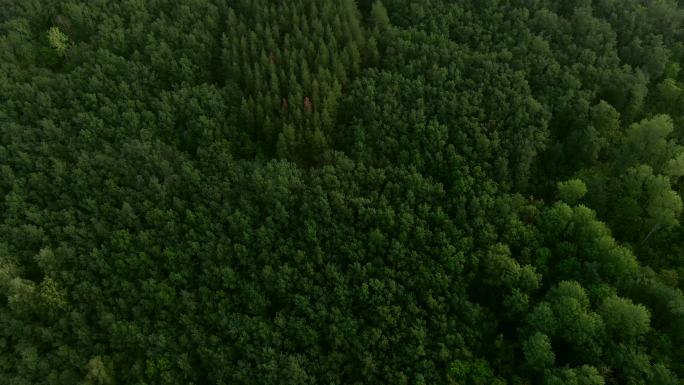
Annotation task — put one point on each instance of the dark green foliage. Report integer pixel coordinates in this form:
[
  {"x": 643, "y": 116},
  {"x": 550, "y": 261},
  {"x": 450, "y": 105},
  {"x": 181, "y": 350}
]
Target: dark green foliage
[{"x": 341, "y": 192}]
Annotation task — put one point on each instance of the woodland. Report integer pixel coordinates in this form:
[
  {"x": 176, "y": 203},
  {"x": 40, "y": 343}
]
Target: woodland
[{"x": 341, "y": 192}]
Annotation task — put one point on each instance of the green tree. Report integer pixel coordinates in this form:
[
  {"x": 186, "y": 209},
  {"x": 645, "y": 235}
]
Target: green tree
[
  {"x": 58, "y": 41},
  {"x": 379, "y": 15},
  {"x": 571, "y": 191},
  {"x": 538, "y": 352},
  {"x": 623, "y": 318}
]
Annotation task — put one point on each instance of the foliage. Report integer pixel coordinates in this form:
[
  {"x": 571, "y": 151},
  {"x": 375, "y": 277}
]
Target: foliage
[{"x": 341, "y": 192}]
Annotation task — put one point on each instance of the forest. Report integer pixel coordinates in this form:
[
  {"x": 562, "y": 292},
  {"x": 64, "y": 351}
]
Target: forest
[{"x": 342, "y": 192}]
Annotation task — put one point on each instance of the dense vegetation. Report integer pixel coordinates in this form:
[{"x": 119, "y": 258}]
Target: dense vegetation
[{"x": 339, "y": 192}]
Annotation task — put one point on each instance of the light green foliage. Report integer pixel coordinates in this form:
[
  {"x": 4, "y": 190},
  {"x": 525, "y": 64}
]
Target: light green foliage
[
  {"x": 571, "y": 191},
  {"x": 675, "y": 166},
  {"x": 476, "y": 372},
  {"x": 623, "y": 318},
  {"x": 647, "y": 143},
  {"x": 58, "y": 40},
  {"x": 578, "y": 327},
  {"x": 500, "y": 268},
  {"x": 662, "y": 205},
  {"x": 584, "y": 375},
  {"x": 572, "y": 290},
  {"x": 538, "y": 352},
  {"x": 98, "y": 373}
]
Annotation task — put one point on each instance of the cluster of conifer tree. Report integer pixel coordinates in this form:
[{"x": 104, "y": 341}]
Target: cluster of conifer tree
[{"x": 342, "y": 192}]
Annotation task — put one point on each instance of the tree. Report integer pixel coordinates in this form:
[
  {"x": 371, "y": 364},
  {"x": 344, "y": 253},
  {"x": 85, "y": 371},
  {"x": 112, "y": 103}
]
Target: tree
[
  {"x": 98, "y": 373},
  {"x": 571, "y": 191},
  {"x": 647, "y": 143},
  {"x": 623, "y": 318},
  {"x": 379, "y": 16},
  {"x": 58, "y": 41},
  {"x": 538, "y": 352}
]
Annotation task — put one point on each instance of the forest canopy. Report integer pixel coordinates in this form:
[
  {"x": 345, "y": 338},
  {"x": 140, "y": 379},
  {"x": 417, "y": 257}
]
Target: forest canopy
[{"x": 342, "y": 192}]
